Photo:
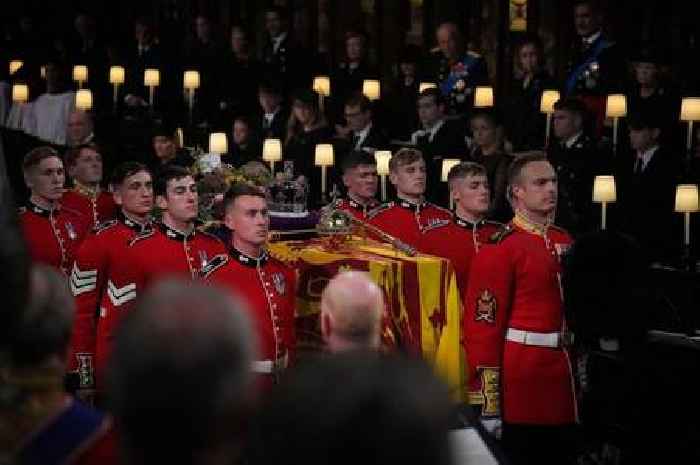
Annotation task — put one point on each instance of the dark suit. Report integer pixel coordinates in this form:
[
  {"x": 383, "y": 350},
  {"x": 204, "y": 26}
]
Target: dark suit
[
  {"x": 576, "y": 167},
  {"x": 301, "y": 149},
  {"x": 376, "y": 139},
  {"x": 448, "y": 142},
  {"x": 277, "y": 128},
  {"x": 525, "y": 124},
  {"x": 646, "y": 201},
  {"x": 287, "y": 64}
]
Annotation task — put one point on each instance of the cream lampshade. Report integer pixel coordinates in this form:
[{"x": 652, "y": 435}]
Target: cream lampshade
[
  {"x": 447, "y": 165},
  {"x": 687, "y": 203},
  {"x": 20, "y": 93},
  {"x": 616, "y": 106},
  {"x": 151, "y": 77},
  {"x": 218, "y": 143},
  {"x": 83, "y": 99},
  {"x": 15, "y": 65},
  {"x": 272, "y": 152},
  {"x": 426, "y": 85},
  {"x": 324, "y": 155},
  {"x": 604, "y": 189},
  {"x": 549, "y": 98},
  {"x": 371, "y": 88},
  {"x": 116, "y": 75},
  {"x": 80, "y": 73},
  {"x": 690, "y": 109},
  {"x": 382, "y": 157},
  {"x": 191, "y": 80},
  {"x": 322, "y": 85},
  {"x": 483, "y": 97}
]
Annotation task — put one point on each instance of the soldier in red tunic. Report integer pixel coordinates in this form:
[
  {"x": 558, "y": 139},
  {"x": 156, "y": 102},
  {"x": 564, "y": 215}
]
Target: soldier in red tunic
[
  {"x": 52, "y": 232},
  {"x": 410, "y": 215},
  {"x": 267, "y": 287},
  {"x": 514, "y": 325},
  {"x": 84, "y": 165},
  {"x": 360, "y": 179},
  {"x": 460, "y": 240},
  {"x": 97, "y": 264},
  {"x": 173, "y": 247}
]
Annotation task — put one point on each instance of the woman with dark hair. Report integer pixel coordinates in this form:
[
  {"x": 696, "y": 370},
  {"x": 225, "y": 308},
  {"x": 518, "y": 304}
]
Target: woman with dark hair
[
  {"x": 488, "y": 149},
  {"x": 526, "y": 125},
  {"x": 306, "y": 128}
]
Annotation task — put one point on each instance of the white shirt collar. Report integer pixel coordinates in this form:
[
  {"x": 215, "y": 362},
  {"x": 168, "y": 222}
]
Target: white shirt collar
[
  {"x": 270, "y": 116},
  {"x": 276, "y": 41},
  {"x": 362, "y": 135},
  {"x": 436, "y": 127},
  {"x": 592, "y": 38},
  {"x": 572, "y": 140},
  {"x": 647, "y": 155}
]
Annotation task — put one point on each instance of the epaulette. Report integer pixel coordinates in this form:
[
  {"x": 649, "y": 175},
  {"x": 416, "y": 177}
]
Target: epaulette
[
  {"x": 435, "y": 225},
  {"x": 214, "y": 264},
  {"x": 379, "y": 209},
  {"x": 105, "y": 225},
  {"x": 141, "y": 236},
  {"x": 501, "y": 234}
]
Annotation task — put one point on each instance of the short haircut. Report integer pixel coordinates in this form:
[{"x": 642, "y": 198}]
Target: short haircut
[
  {"x": 359, "y": 100},
  {"x": 644, "y": 119},
  {"x": 491, "y": 116},
  {"x": 243, "y": 119},
  {"x": 404, "y": 156},
  {"x": 518, "y": 165},
  {"x": 593, "y": 4},
  {"x": 73, "y": 153},
  {"x": 37, "y": 155},
  {"x": 165, "y": 175},
  {"x": 271, "y": 86},
  {"x": 464, "y": 169},
  {"x": 356, "y": 33},
  {"x": 530, "y": 39},
  {"x": 239, "y": 190},
  {"x": 125, "y": 170},
  {"x": 44, "y": 326},
  {"x": 355, "y": 159},
  {"x": 278, "y": 10},
  {"x": 572, "y": 105},
  {"x": 181, "y": 367},
  {"x": 376, "y": 409},
  {"x": 433, "y": 93}
]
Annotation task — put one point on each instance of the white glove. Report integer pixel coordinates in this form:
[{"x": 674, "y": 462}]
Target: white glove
[{"x": 493, "y": 425}]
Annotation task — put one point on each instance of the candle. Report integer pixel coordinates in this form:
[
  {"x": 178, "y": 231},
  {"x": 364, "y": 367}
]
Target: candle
[
  {"x": 80, "y": 74},
  {"x": 83, "y": 99},
  {"x": 218, "y": 143},
  {"x": 383, "y": 157},
  {"x": 324, "y": 157},
  {"x": 426, "y": 85},
  {"x": 272, "y": 152},
  {"x": 687, "y": 203},
  {"x": 15, "y": 65},
  {"x": 604, "y": 192},
  {"x": 483, "y": 97},
  {"x": 371, "y": 89},
  {"x": 20, "y": 93},
  {"x": 690, "y": 111}
]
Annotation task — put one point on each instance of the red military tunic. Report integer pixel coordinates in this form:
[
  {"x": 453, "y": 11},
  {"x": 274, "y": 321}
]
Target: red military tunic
[
  {"x": 459, "y": 241},
  {"x": 97, "y": 205},
  {"x": 96, "y": 267},
  {"x": 357, "y": 209},
  {"x": 160, "y": 252},
  {"x": 268, "y": 287},
  {"x": 53, "y": 235},
  {"x": 514, "y": 328},
  {"x": 408, "y": 221}
]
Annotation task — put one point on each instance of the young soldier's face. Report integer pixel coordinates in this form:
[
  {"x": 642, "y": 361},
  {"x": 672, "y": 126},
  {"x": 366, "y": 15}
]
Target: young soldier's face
[
  {"x": 249, "y": 220},
  {"x": 410, "y": 178},
  {"x": 180, "y": 199},
  {"x": 537, "y": 189},
  {"x": 471, "y": 194},
  {"x": 47, "y": 179},
  {"x": 88, "y": 167},
  {"x": 361, "y": 181},
  {"x": 135, "y": 194}
]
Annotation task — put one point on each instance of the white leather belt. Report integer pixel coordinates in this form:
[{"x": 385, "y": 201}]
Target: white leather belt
[
  {"x": 268, "y": 367},
  {"x": 531, "y": 338}
]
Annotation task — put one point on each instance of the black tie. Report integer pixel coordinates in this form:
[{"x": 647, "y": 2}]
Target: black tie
[{"x": 639, "y": 166}]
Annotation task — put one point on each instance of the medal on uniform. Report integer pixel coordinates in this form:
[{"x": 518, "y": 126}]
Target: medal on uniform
[
  {"x": 71, "y": 231},
  {"x": 280, "y": 284}
]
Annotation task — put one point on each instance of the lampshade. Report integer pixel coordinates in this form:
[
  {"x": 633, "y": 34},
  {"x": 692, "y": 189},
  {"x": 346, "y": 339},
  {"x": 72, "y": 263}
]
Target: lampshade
[
  {"x": 371, "y": 89},
  {"x": 15, "y": 65},
  {"x": 322, "y": 85},
  {"x": 604, "y": 189},
  {"x": 426, "y": 85},
  {"x": 483, "y": 97},
  {"x": 616, "y": 106},
  {"x": 690, "y": 109},
  {"x": 42, "y": 70},
  {"x": 191, "y": 79},
  {"x": 83, "y": 99},
  {"x": 272, "y": 150},
  {"x": 687, "y": 198},
  {"x": 447, "y": 165},
  {"x": 324, "y": 155},
  {"x": 151, "y": 77},
  {"x": 80, "y": 73},
  {"x": 549, "y": 98},
  {"x": 382, "y": 157},
  {"x": 116, "y": 75},
  {"x": 218, "y": 142},
  {"x": 20, "y": 93}
]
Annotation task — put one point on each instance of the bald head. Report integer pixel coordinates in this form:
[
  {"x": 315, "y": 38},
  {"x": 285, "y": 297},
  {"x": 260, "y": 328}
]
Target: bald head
[{"x": 351, "y": 312}]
